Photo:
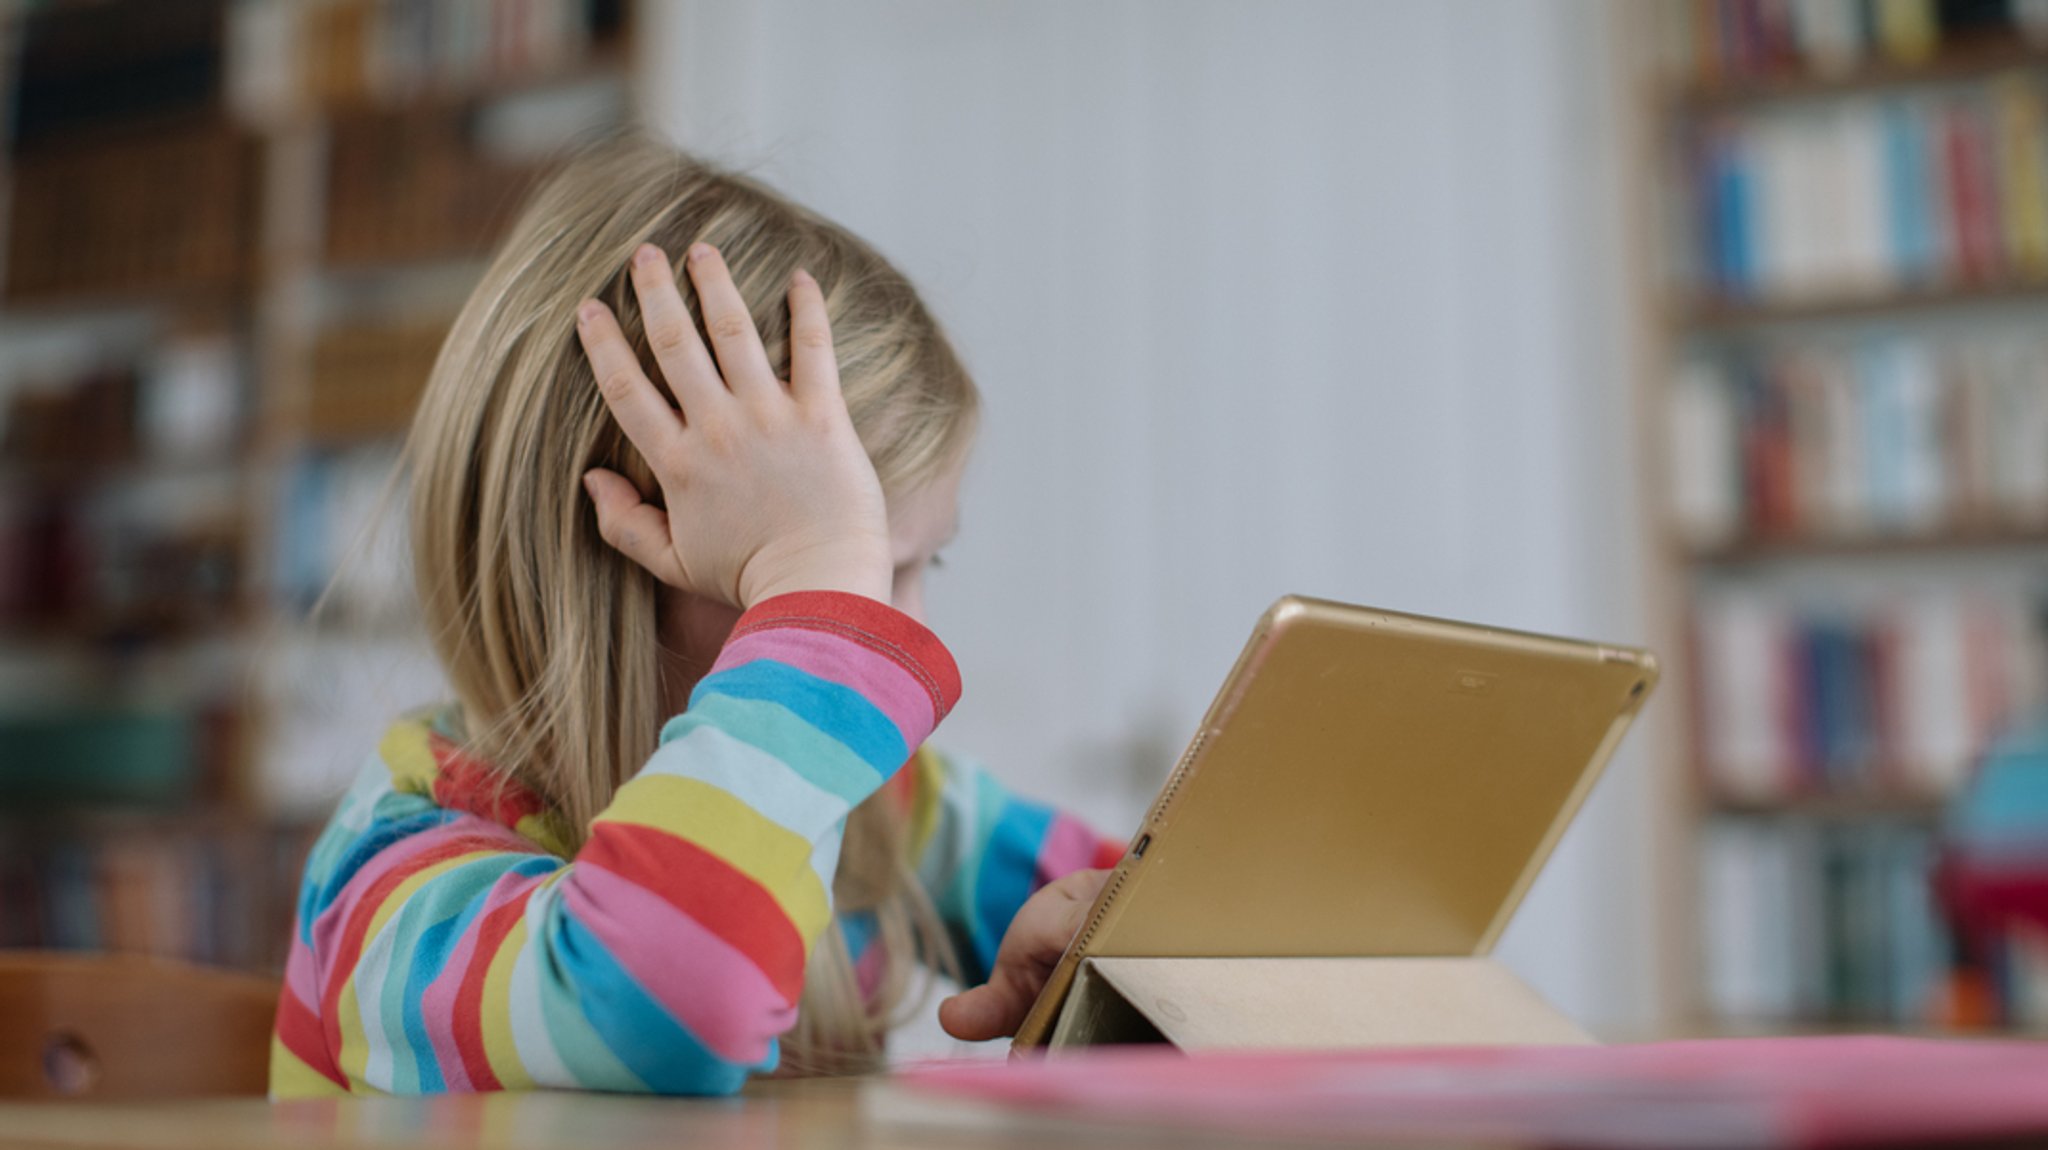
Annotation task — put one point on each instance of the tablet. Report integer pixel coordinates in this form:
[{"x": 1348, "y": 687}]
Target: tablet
[{"x": 1365, "y": 783}]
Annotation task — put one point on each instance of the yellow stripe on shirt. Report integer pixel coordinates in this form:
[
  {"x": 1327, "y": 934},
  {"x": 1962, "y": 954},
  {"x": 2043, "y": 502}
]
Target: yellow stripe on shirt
[
  {"x": 406, "y": 751},
  {"x": 291, "y": 1077},
  {"x": 500, "y": 1049}
]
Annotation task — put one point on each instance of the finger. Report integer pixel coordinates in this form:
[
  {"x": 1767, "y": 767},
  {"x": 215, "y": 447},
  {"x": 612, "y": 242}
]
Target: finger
[
  {"x": 741, "y": 359},
  {"x": 686, "y": 365},
  {"x": 634, "y": 527},
  {"x": 643, "y": 414},
  {"x": 813, "y": 366}
]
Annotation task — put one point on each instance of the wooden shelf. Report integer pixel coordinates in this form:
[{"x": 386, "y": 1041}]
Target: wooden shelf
[
  {"x": 1770, "y": 549},
  {"x": 602, "y": 61},
  {"x": 1688, "y": 319},
  {"x": 1711, "y": 315},
  {"x": 192, "y": 818},
  {"x": 1958, "y": 64},
  {"x": 1845, "y": 807}
]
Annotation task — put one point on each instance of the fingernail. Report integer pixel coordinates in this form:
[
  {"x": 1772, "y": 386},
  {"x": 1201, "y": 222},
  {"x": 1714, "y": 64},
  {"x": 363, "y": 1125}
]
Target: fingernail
[
  {"x": 646, "y": 254},
  {"x": 700, "y": 251},
  {"x": 802, "y": 277},
  {"x": 589, "y": 485},
  {"x": 588, "y": 310}
]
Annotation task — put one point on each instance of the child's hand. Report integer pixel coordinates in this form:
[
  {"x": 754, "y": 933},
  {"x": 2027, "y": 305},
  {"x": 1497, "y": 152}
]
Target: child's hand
[
  {"x": 768, "y": 489},
  {"x": 1044, "y": 925}
]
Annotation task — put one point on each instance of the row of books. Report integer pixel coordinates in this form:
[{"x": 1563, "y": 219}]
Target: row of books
[
  {"x": 84, "y": 68},
  {"x": 123, "y": 510},
  {"x": 390, "y": 50},
  {"x": 1716, "y": 40},
  {"x": 1882, "y": 435},
  {"x": 1809, "y": 921},
  {"x": 1896, "y": 696},
  {"x": 146, "y": 743},
  {"x": 169, "y": 210},
  {"x": 158, "y": 557},
  {"x": 367, "y": 379},
  {"x": 182, "y": 400},
  {"x": 1856, "y": 197},
  {"x": 221, "y": 895},
  {"x": 411, "y": 186}
]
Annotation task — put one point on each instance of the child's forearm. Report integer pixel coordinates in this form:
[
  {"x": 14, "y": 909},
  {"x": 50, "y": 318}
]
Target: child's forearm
[{"x": 734, "y": 825}]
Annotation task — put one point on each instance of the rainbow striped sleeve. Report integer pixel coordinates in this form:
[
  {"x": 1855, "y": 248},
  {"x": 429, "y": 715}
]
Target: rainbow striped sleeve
[
  {"x": 439, "y": 950},
  {"x": 983, "y": 851}
]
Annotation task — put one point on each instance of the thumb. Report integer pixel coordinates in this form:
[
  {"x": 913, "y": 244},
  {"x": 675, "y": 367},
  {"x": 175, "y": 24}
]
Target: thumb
[
  {"x": 635, "y": 528},
  {"x": 972, "y": 1015},
  {"x": 991, "y": 1010}
]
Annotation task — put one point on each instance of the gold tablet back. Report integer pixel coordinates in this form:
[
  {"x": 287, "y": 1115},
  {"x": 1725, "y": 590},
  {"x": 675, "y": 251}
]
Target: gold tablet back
[{"x": 1366, "y": 783}]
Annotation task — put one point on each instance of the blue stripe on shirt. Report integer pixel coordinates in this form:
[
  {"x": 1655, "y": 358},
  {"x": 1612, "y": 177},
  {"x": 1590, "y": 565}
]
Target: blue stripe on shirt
[
  {"x": 821, "y": 703},
  {"x": 659, "y": 1050}
]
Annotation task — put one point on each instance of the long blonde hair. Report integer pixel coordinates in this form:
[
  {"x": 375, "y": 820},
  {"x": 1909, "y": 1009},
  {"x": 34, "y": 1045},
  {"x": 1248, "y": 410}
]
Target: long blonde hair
[{"x": 548, "y": 636}]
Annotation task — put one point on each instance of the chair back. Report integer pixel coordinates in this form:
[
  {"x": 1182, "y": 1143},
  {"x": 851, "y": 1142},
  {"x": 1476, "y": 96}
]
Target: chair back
[{"x": 112, "y": 1026}]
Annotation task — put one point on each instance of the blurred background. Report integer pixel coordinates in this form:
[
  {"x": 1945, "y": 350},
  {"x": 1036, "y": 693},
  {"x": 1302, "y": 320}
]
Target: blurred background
[{"x": 1712, "y": 325}]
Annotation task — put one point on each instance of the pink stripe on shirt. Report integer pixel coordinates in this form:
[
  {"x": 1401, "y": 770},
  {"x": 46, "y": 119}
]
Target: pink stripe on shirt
[
  {"x": 302, "y": 973},
  {"x": 710, "y": 987},
  {"x": 1069, "y": 846}
]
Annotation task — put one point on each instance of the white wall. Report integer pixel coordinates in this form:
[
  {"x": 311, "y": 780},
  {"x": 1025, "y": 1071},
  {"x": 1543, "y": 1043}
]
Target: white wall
[{"x": 1314, "y": 297}]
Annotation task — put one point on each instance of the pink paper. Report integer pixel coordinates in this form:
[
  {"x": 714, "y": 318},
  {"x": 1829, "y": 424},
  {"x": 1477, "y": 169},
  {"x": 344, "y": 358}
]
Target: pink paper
[{"x": 1795, "y": 1092}]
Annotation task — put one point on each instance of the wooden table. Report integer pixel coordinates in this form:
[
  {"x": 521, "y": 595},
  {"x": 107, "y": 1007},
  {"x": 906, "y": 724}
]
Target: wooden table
[{"x": 813, "y": 1115}]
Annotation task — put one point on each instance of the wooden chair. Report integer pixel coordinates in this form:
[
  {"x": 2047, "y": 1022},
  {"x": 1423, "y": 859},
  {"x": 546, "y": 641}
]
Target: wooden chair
[{"x": 109, "y": 1026}]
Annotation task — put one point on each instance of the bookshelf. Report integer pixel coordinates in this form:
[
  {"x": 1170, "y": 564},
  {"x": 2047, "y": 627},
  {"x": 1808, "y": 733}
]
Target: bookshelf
[
  {"x": 1843, "y": 220},
  {"x": 225, "y": 279}
]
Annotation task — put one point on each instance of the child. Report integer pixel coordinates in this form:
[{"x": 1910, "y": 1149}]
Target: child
[{"x": 670, "y": 532}]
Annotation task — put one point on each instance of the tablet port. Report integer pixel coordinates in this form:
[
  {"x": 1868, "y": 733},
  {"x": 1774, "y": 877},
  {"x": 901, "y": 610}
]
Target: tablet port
[{"x": 1138, "y": 848}]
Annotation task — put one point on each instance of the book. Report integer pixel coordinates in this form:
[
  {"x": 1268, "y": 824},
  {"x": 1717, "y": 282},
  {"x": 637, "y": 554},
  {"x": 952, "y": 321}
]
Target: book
[{"x": 1806, "y": 1092}]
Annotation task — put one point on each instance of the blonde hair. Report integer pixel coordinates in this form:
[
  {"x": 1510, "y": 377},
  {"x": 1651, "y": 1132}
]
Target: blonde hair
[{"x": 548, "y": 636}]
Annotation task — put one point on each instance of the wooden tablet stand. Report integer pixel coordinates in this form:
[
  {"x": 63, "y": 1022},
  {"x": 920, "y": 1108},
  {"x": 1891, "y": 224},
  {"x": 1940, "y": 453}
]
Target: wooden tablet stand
[{"x": 1305, "y": 1003}]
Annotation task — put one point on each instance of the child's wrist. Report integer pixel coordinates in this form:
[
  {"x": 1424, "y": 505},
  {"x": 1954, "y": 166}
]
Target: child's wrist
[{"x": 867, "y": 584}]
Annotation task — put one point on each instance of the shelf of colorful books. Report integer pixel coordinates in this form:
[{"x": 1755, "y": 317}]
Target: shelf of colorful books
[{"x": 207, "y": 884}]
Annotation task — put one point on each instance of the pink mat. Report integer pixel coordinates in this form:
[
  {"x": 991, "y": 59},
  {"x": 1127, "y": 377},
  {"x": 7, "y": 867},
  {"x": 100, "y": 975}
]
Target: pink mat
[{"x": 1799, "y": 1092}]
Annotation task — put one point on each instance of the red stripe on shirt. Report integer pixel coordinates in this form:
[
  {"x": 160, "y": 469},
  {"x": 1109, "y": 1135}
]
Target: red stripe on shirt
[
  {"x": 722, "y": 899},
  {"x": 469, "y": 996},
  {"x": 300, "y": 1031},
  {"x": 1108, "y": 853}
]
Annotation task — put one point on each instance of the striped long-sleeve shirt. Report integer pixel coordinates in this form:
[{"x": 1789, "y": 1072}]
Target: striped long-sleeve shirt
[{"x": 445, "y": 940}]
